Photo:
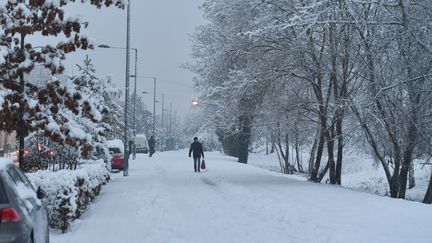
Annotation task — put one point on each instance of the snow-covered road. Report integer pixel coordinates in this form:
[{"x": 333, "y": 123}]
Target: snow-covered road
[{"x": 163, "y": 200}]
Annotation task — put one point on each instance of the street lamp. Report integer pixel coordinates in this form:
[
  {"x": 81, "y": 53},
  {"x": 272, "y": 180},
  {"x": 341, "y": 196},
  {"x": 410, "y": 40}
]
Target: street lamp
[
  {"x": 126, "y": 169},
  {"x": 198, "y": 103},
  {"x": 170, "y": 124},
  {"x": 162, "y": 120},
  {"x": 125, "y": 140}
]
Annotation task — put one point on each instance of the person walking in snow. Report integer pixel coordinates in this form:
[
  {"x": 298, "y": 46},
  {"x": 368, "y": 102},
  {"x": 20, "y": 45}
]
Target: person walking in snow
[
  {"x": 131, "y": 144},
  {"x": 197, "y": 150},
  {"x": 151, "y": 144}
]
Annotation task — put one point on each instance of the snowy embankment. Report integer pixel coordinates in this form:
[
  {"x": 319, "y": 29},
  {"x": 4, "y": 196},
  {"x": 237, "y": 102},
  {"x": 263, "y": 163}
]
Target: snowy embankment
[
  {"x": 359, "y": 172},
  {"x": 163, "y": 200},
  {"x": 69, "y": 192}
]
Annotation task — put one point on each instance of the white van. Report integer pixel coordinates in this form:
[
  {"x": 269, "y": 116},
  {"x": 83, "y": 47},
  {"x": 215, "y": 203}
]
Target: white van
[{"x": 141, "y": 145}]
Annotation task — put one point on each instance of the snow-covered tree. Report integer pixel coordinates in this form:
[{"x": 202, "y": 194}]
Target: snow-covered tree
[
  {"x": 319, "y": 70},
  {"x": 27, "y": 107},
  {"x": 114, "y": 117},
  {"x": 93, "y": 89}
]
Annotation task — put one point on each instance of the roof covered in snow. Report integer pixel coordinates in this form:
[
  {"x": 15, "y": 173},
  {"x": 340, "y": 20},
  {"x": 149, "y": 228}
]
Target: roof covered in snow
[{"x": 116, "y": 143}]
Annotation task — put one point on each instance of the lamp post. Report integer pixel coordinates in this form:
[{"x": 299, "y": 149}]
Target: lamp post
[
  {"x": 170, "y": 124},
  {"x": 162, "y": 121},
  {"x": 125, "y": 139},
  {"x": 134, "y": 104},
  {"x": 154, "y": 106},
  {"x": 126, "y": 169}
]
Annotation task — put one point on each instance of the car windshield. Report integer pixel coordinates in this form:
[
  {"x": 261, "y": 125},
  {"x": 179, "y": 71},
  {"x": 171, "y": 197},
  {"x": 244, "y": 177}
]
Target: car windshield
[
  {"x": 115, "y": 150},
  {"x": 3, "y": 196}
]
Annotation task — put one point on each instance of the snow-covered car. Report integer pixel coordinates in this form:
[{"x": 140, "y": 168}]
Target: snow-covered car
[
  {"x": 141, "y": 145},
  {"x": 23, "y": 214},
  {"x": 101, "y": 152},
  {"x": 116, "y": 150}
]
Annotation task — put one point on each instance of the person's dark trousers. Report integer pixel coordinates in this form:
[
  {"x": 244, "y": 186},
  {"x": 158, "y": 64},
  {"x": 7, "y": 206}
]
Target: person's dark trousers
[{"x": 197, "y": 164}]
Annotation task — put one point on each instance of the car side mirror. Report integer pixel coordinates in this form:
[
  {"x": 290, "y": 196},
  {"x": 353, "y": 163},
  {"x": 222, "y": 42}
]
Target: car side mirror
[{"x": 40, "y": 193}]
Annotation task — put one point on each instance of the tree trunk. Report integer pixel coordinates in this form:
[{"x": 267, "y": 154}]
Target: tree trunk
[
  {"x": 267, "y": 145},
  {"x": 272, "y": 140},
  {"x": 323, "y": 132},
  {"x": 323, "y": 172},
  {"x": 21, "y": 133},
  {"x": 403, "y": 177},
  {"x": 339, "y": 158},
  {"x": 297, "y": 150},
  {"x": 244, "y": 138},
  {"x": 394, "y": 186},
  {"x": 411, "y": 180},
  {"x": 317, "y": 164},
  {"x": 331, "y": 162},
  {"x": 287, "y": 164},
  {"x": 330, "y": 153},
  {"x": 312, "y": 154},
  {"x": 283, "y": 153},
  {"x": 428, "y": 196}
]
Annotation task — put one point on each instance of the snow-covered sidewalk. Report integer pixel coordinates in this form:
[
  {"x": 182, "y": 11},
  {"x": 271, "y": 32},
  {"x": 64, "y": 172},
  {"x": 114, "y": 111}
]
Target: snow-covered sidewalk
[{"x": 163, "y": 200}]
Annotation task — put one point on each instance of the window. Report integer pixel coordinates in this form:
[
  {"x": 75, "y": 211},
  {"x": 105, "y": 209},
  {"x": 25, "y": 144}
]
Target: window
[
  {"x": 115, "y": 150},
  {"x": 3, "y": 196},
  {"x": 24, "y": 178},
  {"x": 14, "y": 175}
]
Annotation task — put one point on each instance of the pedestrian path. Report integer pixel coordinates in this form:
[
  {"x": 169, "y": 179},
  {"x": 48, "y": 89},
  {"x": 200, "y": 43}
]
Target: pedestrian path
[{"x": 164, "y": 201}]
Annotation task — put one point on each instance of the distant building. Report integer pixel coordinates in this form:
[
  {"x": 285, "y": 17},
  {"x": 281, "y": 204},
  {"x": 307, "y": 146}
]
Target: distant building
[{"x": 7, "y": 140}]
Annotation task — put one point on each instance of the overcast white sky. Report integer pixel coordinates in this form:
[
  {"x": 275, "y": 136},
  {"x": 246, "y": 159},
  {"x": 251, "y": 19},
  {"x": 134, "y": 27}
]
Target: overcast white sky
[{"x": 160, "y": 31}]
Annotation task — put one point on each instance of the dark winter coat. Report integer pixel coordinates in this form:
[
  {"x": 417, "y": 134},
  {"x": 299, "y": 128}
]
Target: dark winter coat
[
  {"x": 151, "y": 143},
  {"x": 197, "y": 150}
]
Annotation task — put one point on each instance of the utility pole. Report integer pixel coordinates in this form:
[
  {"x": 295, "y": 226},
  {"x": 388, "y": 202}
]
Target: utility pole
[
  {"x": 134, "y": 103},
  {"x": 154, "y": 106},
  {"x": 175, "y": 122},
  {"x": 126, "y": 152},
  {"x": 170, "y": 126},
  {"x": 162, "y": 118}
]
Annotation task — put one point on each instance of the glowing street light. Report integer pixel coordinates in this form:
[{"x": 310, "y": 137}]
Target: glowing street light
[{"x": 199, "y": 103}]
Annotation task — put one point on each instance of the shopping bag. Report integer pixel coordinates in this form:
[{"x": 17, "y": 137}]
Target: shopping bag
[{"x": 203, "y": 166}]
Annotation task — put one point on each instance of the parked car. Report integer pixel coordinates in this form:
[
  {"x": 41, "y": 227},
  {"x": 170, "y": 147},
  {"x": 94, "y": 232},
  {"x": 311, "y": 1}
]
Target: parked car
[
  {"x": 116, "y": 150},
  {"x": 100, "y": 152},
  {"x": 141, "y": 145},
  {"x": 23, "y": 214}
]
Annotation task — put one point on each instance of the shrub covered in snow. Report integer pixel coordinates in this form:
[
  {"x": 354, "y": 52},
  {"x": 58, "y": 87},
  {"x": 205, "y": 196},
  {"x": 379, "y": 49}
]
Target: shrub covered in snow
[
  {"x": 209, "y": 140},
  {"x": 69, "y": 192}
]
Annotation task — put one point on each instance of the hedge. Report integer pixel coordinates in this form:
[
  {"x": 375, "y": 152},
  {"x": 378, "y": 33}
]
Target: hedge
[{"x": 70, "y": 192}]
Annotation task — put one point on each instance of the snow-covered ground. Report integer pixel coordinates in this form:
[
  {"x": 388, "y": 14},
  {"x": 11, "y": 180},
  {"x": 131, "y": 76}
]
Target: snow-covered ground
[
  {"x": 163, "y": 200},
  {"x": 359, "y": 172}
]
